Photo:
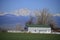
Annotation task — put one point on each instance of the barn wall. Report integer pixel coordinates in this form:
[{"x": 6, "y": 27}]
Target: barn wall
[{"x": 39, "y": 30}]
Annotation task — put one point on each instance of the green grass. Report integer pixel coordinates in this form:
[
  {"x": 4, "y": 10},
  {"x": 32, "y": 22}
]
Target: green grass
[{"x": 28, "y": 36}]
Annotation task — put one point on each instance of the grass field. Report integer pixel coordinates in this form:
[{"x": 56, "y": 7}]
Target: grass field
[{"x": 28, "y": 36}]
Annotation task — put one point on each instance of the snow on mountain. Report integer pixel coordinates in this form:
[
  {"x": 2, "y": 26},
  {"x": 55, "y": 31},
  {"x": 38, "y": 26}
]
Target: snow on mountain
[
  {"x": 57, "y": 14},
  {"x": 3, "y": 13},
  {"x": 21, "y": 12}
]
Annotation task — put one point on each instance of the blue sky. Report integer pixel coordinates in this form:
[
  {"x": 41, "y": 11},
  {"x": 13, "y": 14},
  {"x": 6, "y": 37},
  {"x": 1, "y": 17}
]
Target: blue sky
[{"x": 10, "y": 5}]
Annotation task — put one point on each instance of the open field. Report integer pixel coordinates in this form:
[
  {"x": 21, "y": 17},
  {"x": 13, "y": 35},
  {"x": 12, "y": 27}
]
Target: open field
[{"x": 28, "y": 36}]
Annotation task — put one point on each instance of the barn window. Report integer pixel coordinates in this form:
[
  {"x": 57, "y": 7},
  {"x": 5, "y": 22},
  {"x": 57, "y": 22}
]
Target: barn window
[
  {"x": 35, "y": 30},
  {"x": 39, "y": 30}
]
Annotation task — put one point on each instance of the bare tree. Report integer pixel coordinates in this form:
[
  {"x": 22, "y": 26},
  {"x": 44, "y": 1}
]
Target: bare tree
[
  {"x": 38, "y": 16},
  {"x": 30, "y": 21},
  {"x": 43, "y": 16}
]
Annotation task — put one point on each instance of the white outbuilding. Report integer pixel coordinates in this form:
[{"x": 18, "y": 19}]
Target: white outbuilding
[{"x": 39, "y": 29}]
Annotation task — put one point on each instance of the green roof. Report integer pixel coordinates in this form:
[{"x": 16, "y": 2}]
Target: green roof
[{"x": 36, "y": 25}]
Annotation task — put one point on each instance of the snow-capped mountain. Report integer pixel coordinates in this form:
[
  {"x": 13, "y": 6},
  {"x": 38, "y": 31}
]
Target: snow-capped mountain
[
  {"x": 20, "y": 12},
  {"x": 57, "y": 14},
  {"x": 12, "y": 19},
  {"x": 21, "y": 16}
]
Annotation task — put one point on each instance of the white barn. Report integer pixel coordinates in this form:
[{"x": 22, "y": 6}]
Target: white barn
[{"x": 39, "y": 29}]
